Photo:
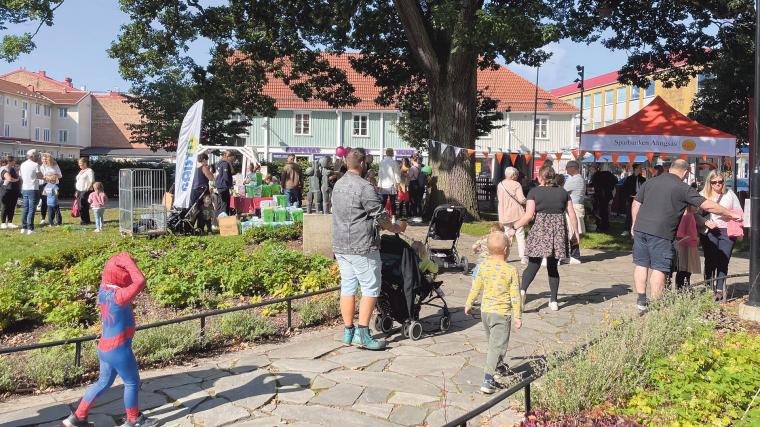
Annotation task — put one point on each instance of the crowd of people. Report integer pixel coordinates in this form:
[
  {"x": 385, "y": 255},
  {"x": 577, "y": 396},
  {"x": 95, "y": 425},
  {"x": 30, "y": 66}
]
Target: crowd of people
[{"x": 35, "y": 182}]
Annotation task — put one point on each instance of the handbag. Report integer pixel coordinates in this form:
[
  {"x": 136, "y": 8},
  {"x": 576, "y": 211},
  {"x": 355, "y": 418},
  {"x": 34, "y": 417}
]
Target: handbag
[
  {"x": 75, "y": 207},
  {"x": 735, "y": 229}
]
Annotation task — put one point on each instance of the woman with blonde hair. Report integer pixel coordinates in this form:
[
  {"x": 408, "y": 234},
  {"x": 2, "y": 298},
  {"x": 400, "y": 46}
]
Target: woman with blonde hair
[
  {"x": 49, "y": 167},
  {"x": 713, "y": 231}
]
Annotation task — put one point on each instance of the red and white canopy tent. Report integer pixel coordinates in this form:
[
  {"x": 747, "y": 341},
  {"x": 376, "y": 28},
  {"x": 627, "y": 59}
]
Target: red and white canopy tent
[{"x": 659, "y": 128}]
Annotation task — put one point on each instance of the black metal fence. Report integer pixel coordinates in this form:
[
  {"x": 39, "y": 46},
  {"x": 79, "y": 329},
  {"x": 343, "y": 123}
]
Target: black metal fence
[
  {"x": 486, "y": 191},
  {"x": 539, "y": 367},
  {"x": 198, "y": 316}
]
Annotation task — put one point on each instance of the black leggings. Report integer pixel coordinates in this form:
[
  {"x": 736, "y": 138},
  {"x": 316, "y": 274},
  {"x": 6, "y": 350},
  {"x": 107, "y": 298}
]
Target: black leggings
[
  {"x": 530, "y": 273},
  {"x": 9, "y": 206}
]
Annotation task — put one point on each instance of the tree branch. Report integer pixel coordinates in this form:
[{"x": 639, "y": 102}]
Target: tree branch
[{"x": 418, "y": 37}]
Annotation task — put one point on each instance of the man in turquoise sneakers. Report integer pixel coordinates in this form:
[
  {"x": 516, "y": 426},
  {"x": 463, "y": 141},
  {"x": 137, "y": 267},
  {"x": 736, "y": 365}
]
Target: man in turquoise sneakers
[{"x": 358, "y": 214}]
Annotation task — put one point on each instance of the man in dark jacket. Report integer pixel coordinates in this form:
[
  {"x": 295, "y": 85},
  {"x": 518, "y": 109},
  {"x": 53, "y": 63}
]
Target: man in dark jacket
[
  {"x": 631, "y": 187},
  {"x": 604, "y": 185},
  {"x": 223, "y": 182}
]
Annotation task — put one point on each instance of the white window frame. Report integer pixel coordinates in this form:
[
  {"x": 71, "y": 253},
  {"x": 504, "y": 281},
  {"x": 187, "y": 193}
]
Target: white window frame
[
  {"x": 46, "y": 135},
  {"x": 296, "y": 120},
  {"x": 63, "y": 136},
  {"x": 637, "y": 91},
  {"x": 63, "y": 112},
  {"x": 587, "y": 102},
  {"x": 37, "y": 108},
  {"x": 354, "y": 129},
  {"x": 625, "y": 93},
  {"x": 599, "y": 95},
  {"x": 608, "y": 101},
  {"x": 15, "y": 102},
  {"x": 47, "y": 110},
  {"x": 24, "y": 121},
  {"x": 7, "y": 130},
  {"x": 542, "y": 121},
  {"x": 37, "y": 134}
]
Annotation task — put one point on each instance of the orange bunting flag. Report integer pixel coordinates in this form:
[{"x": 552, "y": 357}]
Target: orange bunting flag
[
  {"x": 704, "y": 157},
  {"x": 664, "y": 156},
  {"x": 575, "y": 153},
  {"x": 651, "y": 171},
  {"x": 631, "y": 157},
  {"x": 583, "y": 153},
  {"x": 650, "y": 156},
  {"x": 470, "y": 152},
  {"x": 485, "y": 154},
  {"x": 513, "y": 158},
  {"x": 683, "y": 156},
  {"x": 543, "y": 156},
  {"x": 614, "y": 158},
  {"x": 558, "y": 156},
  {"x": 616, "y": 164},
  {"x": 597, "y": 154},
  {"x": 499, "y": 156},
  {"x": 527, "y": 157}
]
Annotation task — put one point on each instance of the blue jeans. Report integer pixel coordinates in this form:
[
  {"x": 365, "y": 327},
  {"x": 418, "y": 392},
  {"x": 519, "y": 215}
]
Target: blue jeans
[
  {"x": 99, "y": 212},
  {"x": 292, "y": 197},
  {"x": 30, "y": 198},
  {"x": 356, "y": 270}
]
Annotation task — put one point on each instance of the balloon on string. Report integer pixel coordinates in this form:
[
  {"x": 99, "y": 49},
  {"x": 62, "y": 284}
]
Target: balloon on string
[{"x": 427, "y": 170}]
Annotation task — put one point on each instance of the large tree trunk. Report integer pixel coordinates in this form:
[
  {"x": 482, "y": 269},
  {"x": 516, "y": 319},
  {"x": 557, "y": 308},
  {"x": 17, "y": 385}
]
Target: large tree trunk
[{"x": 453, "y": 106}]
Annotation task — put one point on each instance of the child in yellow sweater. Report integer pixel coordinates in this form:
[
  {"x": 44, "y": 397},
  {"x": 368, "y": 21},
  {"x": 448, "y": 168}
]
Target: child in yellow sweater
[{"x": 499, "y": 306}]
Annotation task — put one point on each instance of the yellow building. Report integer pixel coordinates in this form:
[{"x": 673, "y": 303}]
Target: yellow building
[{"x": 606, "y": 101}]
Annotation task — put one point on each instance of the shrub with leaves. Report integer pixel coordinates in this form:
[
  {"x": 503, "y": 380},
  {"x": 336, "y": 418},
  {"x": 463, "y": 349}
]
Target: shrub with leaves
[
  {"x": 7, "y": 375},
  {"x": 55, "y": 366},
  {"x": 318, "y": 309},
  {"x": 288, "y": 233},
  {"x": 165, "y": 343},
  {"x": 243, "y": 326}
]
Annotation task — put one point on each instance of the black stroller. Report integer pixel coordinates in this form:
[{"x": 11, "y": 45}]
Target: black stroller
[
  {"x": 183, "y": 221},
  {"x": 446, "y": 224},
  {"x": 405, "y": 290}
]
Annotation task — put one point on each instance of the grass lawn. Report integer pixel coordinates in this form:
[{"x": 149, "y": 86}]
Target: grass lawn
[
  {"x": 50, "y": 240},
  {"x": 610, "y": 241}
]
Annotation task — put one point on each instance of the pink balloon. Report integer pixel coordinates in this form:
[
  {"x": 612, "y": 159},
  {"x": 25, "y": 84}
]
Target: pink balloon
[
  {"x": 339, "y": 151},
  {"x": 346, "y": 150}
]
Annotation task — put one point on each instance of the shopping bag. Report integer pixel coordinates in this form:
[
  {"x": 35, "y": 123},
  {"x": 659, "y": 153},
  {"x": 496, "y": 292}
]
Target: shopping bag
[{"x": 75, "y": 207}]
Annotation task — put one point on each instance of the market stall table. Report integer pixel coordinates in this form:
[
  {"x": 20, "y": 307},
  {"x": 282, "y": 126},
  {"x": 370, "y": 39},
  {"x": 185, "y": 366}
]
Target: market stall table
[{"x": 247, "y": 204}]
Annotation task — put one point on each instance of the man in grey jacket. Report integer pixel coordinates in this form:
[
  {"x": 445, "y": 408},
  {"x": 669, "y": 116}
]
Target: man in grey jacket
[{"x": 358, "y": 214}]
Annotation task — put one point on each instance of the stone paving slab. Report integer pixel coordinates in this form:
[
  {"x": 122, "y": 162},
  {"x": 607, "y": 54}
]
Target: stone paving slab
[{"x": 314, "y": 380}]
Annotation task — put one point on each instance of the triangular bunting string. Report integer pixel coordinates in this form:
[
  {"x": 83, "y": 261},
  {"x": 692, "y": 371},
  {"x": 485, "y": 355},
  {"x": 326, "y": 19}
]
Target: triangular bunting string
[
  {"x": 664, "y": 156},
  {"x": 650, "y": 156},
  {"x": 527, "y": 158},
  {"x": 615, "y": 158},
  {"x": 575, "y": 153},
  {"x": 543, "y": 157},
  {"x": 470, "y": 152},
  {"x": 631, "y": 157},
  {"x": 597, "y": 154},
  {"x": 457, "y": 150},
  {"x": 684, "y": 156},
  {"x": 558, "y": 156},
  {"x": 499, "y": 156},
  {"x": 485, "y": 153},
  {"x": 513, "y": 158},
  {"x": 443, "y": 147}
]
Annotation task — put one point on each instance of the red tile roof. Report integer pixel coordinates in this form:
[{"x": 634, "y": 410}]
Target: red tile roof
[
  {"x": 20, "y": 90},
  {"x": 38, "y": 75},
  {"x": 590, "y": 83},
  {"x": 509, "y": 89},
  {"x": 52, "y": 90},
  {"x": 64, "y": 96}
]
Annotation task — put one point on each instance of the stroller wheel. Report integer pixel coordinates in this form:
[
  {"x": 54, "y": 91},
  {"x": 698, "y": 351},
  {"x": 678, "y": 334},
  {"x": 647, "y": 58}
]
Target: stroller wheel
[
  {"x": 386, "y": 324},
  {"x": 405, "y": 329},
  {"x": 465, "y": 265},
  {"x": 415, "y": 330},
  {"x": 445, "y": 323}
]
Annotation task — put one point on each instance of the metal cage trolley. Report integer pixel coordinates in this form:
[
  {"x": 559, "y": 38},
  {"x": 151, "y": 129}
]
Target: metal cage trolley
[{"x": 141, "y": 202}]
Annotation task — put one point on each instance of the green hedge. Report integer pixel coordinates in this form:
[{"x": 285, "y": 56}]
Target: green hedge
[{"x": 106, "y": 171}]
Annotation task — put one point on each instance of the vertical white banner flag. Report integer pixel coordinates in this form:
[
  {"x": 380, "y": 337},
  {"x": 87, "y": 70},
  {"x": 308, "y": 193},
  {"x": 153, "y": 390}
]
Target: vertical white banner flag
[{"x": 187, "y": 158}]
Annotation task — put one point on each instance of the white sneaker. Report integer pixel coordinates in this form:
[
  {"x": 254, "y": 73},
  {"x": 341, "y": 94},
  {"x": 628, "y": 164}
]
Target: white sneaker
[
  {"x": 28, "y": 232},
  {"x": 3, "y": 226},
  {"x": 12, "y": 226},
  {"x": 23, "y": 231},
  {"x": 553, "y": 306},
  {"x": 574, "y": 261},
  {"x": 543, "y": 262},
  {"x": 625, "y": 234},
  {"x": 97, "y": 230},
  {"x": 43, "y": 222}
]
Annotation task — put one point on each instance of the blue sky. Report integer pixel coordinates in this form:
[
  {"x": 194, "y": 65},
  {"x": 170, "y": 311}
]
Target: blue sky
[{"x": 76, "y": 47}]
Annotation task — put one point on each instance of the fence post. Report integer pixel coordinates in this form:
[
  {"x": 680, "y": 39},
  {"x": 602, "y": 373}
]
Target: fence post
[
  {"x": 203, "y": 327},
  {"x": 527, "y": 399},
  {"x": 290, "y": 315},
  {"x": 78, "y": 354}
]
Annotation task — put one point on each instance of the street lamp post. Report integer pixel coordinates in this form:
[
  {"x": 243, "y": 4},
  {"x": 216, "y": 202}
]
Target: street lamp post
[{"x": 751, "y": 310}]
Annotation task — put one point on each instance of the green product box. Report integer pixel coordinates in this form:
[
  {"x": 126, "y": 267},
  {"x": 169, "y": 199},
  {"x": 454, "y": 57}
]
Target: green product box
[
  {"x": 296, "y": 214},
  {"x": 280, "y": 214},
  {"x": 275, "y": 189},
  {"x": 266, "y": 191},
  {"x": 267, "y": 214},
  {"x": 281, "y": 200},
  {"x": 259, "y": 178}
]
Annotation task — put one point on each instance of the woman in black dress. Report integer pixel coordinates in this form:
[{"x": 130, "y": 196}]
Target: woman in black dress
[{"x": 548, "y": 237}]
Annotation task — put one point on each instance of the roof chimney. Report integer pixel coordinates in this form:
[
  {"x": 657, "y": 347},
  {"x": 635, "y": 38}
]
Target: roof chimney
[
  {"x": 30, "y": 87},
  {"x": 69, "y": 82},
  {"x": 42, "y": 73}
]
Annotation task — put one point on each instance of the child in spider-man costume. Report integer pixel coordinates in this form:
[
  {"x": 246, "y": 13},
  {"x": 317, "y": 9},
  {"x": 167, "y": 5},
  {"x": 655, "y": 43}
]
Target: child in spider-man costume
[{"x": 121, "y": 281}]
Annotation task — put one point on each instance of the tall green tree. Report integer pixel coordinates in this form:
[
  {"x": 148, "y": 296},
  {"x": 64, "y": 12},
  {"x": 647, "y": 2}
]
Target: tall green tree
[
  {"x": 674, "y": 40},
  {"x": 18, "y": 12}
]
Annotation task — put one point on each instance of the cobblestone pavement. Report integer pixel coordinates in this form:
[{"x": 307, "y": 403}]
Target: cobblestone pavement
[{"x": 313, "y": 379}]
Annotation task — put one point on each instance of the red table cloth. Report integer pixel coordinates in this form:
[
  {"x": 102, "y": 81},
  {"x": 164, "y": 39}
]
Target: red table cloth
[{"x": 247, "y": 204}]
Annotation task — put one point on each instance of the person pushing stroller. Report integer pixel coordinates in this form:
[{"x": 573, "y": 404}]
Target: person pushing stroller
[{"x": 500, "y": 304}]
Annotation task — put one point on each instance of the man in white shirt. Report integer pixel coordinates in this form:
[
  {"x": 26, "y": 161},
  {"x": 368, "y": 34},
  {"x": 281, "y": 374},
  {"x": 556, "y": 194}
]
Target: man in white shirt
[
  {"x": 389, "y": 179},
  {"x": 576, "y": 189},
  {"x": 30, "y": 174}
]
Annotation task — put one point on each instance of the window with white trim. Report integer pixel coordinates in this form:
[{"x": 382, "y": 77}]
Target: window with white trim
[
  {"x": 46, "y": 135},
  {"x": 63, "y": 112},
  {"x": 63, "y": 135},
  {"x": 36, "y": 134},
  {"x": 635, "y": 93},
  {"x": 609, "y": 97},
  {"x": 302, "y": 124},
  {"x": 7, "y": 130},
  {"x": 25, "y": 106},
  {"x": 37, "y": 108},
  {"x": 24, "y": 121},
  {"x": 621, "y": 94},
  {"x": 649, "y": 91},
  {"x": 361, "y": 125},
  {"x": 15, "y": 102},
  {"x": 587, "y": 102},
  {"x": 542, "y": 127},
  {"x": 47, "y": 110},
  {"x": 598, "y": 99}
]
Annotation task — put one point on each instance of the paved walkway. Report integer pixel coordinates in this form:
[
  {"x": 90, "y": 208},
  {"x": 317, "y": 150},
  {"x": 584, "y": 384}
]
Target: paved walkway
[{"x": 314, "y": 379}]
